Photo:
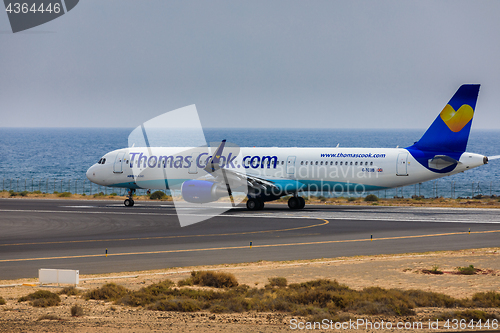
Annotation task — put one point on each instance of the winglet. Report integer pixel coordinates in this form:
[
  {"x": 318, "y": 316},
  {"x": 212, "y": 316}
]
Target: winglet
[{"x": 213, "y": 164}]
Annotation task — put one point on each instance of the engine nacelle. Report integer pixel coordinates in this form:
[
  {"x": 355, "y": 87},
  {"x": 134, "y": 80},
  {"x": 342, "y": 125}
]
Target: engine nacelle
[{"x": 201, "y": 191}]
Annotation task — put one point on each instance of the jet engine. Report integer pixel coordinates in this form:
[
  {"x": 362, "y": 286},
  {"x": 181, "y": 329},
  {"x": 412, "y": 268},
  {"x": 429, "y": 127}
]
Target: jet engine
[{"x": 202, "y": 191}]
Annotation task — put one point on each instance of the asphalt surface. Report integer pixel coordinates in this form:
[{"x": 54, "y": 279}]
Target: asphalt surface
[{"x": 75, "y": 234}]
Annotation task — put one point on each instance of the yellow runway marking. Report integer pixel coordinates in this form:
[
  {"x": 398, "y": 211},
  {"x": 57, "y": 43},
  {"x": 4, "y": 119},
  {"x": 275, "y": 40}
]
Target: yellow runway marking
[
  {"x": 254, "y": 246},
  {"x": 167, "y": 237}
]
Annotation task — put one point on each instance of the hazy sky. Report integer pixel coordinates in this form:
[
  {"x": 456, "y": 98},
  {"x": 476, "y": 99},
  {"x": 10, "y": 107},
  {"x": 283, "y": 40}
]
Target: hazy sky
[{"x": 269, "y": 63}]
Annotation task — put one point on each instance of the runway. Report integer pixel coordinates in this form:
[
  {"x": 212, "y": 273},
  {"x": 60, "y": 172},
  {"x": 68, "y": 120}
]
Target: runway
[{"x": 75, "y": 234}]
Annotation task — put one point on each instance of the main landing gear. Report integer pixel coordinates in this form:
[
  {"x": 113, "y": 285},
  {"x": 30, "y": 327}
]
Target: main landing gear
[
  {"x": 296, "y": 203},
  {"x": 129, "y": 202},
  {"x": 293, "y": 203},
  {"x": 255, "y": 204}
]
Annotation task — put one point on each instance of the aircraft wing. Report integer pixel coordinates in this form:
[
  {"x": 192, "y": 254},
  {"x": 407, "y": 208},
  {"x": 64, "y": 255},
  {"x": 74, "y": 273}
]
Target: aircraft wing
[
  {"x": 259, "y": 184},
  {"x": 235, "y": 180}
]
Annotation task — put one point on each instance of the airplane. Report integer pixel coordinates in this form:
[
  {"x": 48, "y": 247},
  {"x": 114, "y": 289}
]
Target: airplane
[{"x": 267, "y": 174}]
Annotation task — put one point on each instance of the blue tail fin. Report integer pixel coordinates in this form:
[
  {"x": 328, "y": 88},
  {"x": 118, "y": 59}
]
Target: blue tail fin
[{"x": 450, "y": 131}]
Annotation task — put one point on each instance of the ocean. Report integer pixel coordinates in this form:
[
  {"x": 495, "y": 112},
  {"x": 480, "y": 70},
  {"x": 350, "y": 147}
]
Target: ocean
[{"x": 56, "y": 159}]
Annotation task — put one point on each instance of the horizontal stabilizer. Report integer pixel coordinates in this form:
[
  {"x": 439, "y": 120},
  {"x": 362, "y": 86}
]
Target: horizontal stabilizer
[{"x": 440, "y": 162}]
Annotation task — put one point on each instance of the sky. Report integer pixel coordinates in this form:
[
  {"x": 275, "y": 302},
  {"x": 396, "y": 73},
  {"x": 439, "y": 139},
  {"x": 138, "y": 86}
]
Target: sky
[{"x": 255, "y": 64}]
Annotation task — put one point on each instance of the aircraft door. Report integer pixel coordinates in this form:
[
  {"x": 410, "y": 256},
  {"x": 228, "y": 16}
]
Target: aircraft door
[
  {"x": 118, "y": 165},
  {"x": 193, "y": 169},
  {"x": 290, "y": 165},
  {"x": 402, "y": 165}
]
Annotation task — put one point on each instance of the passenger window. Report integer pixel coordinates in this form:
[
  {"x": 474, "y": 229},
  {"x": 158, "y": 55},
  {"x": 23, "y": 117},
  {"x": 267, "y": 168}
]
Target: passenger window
[
  {"x": 306, "y": 162},
  {"x": 321, "y": 163},
  {"x": 356, "y": 163},
  {"x": 371, "y": 163},
  {"x": 336, "y": 162},
  {"x": 302, "y": 163},
  {"x": 316, "y": 162},
  {"x": 351, "y": 162},
  {"x": 366, "y": 163},
  {"x": 340, "y": 162}
]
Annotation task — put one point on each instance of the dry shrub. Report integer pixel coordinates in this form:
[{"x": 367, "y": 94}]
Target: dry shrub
[
  {"x": 431, "y": 299},
  {"x": 376, "y": 300},
  {"x": 108, "y": 292},
  {"x": 69, "y": 291},
  {"x": 41, "y": 299},
  {"x": 470, "y": 270},
  {"x": 76, "y": 311},
  {"x": 305, "y": 311},
  {"x": 237, "y": 304},
  {"x": 278, "y": 304},
  {"x": 385, "y": 307},
  {"x": 488, "y": 299},
  {"x": 278, "y": 282},
  {"x": 315, "y": 299},
  {"x": 181, "y": 305},
  {"x": 158, "y": 288},
  {"x": 214, "y": 279},
  {"x": 138, "y": 298},
  {"x": 321, "y": 284},
  {"x": 185, "y": 282},
  {"x": 371, "y": 197},
  {"x": 218, "y": 308},
  {"x": 2, "y": 301},
  {"x": 157, "y": 195},
  {"x": 435, "y": 270},
  {"x": 162, "y": 291}
]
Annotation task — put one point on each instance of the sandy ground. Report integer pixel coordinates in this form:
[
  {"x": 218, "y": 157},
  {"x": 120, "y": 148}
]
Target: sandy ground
[{"x": 387, "y": 271}]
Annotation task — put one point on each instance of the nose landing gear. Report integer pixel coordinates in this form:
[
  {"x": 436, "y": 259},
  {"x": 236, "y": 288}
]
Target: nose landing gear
[{"x": 129, "y": 202}]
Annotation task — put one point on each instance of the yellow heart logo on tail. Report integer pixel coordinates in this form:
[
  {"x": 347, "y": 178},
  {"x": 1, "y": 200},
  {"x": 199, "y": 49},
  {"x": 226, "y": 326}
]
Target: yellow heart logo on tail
[{"x": 456, "y": 120}]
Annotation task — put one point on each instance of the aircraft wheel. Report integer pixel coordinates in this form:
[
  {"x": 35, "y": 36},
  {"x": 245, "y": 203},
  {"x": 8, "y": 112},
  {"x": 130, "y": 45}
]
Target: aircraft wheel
[
  {"x": 261, "y": 204},
  {"x": 128, "y": 202},
  {"x": 293, "y": 203},
  {"x": 253, "y": 204},
  {"x": 302, "y": 202}
]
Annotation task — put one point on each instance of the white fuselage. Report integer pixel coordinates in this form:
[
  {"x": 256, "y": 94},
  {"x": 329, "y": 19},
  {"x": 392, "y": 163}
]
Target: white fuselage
[{"x": 315, "y": 169}]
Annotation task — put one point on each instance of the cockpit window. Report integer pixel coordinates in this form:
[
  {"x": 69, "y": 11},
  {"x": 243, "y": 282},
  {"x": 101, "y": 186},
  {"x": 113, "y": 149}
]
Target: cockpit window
[{"x": 102, "y": 161}]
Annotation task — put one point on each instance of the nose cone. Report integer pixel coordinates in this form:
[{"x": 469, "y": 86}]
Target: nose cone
[{"x": 91, "y": 174}]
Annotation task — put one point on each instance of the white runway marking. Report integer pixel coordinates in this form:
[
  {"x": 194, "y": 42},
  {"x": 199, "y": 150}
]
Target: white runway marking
[
  {"x": 351, "y": 216},
  {"x": 79, "y": 206}
]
